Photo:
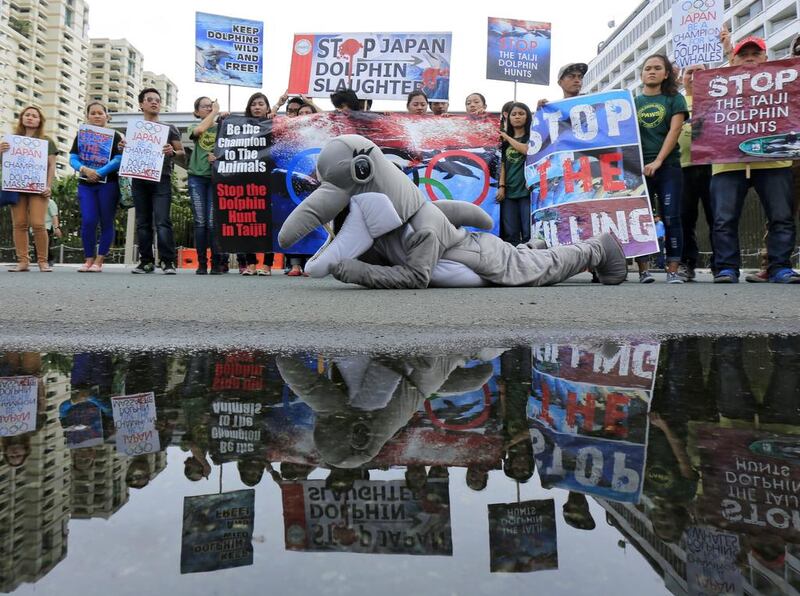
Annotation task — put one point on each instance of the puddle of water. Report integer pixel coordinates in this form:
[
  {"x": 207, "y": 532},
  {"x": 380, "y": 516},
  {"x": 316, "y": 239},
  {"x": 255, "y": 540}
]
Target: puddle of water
[{"x": 626, "y": 468}]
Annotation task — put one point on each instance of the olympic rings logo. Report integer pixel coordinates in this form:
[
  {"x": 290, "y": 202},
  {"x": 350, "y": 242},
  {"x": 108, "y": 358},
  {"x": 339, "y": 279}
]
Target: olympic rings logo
[
  {"x": 28, "y": 141},
  {"x": 151, "y": 127},
  {"x": 698, "y": 5},
  {"x": 139, "y": 449},
  {"x": 10, "y": 430}
]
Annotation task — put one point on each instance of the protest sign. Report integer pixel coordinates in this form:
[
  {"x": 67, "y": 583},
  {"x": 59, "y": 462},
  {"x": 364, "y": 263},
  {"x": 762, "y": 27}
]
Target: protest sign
[
  {"x": 711, "y": 561},
  {"x": 17, "y": 405},
  {"x": 522, "y": 536},
  {"x": 95, "y": 145},
  {"x": 25, "y": 164},
  {"x": 584, "y": 168},
  {"x": 747, "y": 113},
  {"x": 217, "y": 531},
  {"x": 228, "y": 51},
  {"x": 591, "y": 437},
  {"x": 518, "y": 51},
  {"x": 135, "y": 423},
  {"x": 374, "y": 65},
  {"x": 82, "y": 423},
  {"x": 241, "y": 178},
  {"x": 143, "y": 156},
  {"x": 751, "y": 481},
  {"x": 695, "y": 32},
  {"x": 376, "y": 517},
  {"x": 454, "y": 158}
]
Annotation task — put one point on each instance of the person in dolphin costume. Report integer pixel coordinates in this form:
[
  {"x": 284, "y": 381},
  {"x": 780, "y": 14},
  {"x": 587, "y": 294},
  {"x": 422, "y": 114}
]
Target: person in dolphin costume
[
  {"x": 363, "y": 401},
  {"x": 393, "y": 237}
]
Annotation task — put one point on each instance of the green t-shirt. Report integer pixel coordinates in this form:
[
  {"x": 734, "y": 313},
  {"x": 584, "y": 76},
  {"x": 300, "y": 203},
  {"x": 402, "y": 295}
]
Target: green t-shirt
[
  {"x": 655, "y": 113},
  {"x": 514, "y": 162},
  {"x": 203, "y": 145}
]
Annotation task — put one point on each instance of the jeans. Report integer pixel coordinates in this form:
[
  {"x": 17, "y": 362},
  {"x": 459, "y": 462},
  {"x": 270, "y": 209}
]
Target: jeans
[
  {"x": 98, "y": 204},
  {"x": 774, "y": 188},
  {"x": 152, "y": 201},
  {"x": 667, "y": 185},
  {"x": 515, "y": 219},
  {"x": 696, "y": 187},
  {"x": 201, "y": 193}
]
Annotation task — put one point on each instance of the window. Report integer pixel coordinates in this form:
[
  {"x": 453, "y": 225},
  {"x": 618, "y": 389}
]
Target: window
[{"x": 69, "y": 17}]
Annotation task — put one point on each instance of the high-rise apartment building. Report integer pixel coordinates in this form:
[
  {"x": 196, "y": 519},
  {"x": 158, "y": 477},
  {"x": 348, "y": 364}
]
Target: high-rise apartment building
[
  {"x": 647, "y": 30},
  {"x": 167, "y": 89},
  {"x": 115, "y": 74},
  {"x": 43, "y": 61}
]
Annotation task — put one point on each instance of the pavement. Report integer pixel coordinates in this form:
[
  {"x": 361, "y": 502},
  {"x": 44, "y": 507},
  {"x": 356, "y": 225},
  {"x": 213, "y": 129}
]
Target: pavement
[{"x": 116, "y": 310}]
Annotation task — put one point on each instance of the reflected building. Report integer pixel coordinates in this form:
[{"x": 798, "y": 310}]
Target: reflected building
[
  {"x": 99, "y": 489},
  {"x": 35, "y": 497}
]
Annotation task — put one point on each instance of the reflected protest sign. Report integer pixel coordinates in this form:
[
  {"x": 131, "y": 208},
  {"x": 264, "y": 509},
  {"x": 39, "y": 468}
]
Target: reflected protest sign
[
  {"x": 242, "y": 208},
  {"x": 25, "y": 164},
  {"x": 135, "y": 423},
  {"x": 522, "y": 536},
  {"x": 747, "y": 113},
  {"x": 589, "y": 416},
  {"x": 584, "y": 169},
  {"x": 217, "y": 531},
  {"x": 518, "y": 51},
  {"x": 95, "y": 145},
  {"x": 711, "y": 561},
  {"x": 17, "y": 405},
  {"x": 696, "y": 25},
  {"x": 374, "y": 65},
  {"x": 751, "y": 481},
  {"x": 375, "y": 517},
  {"x": 267, "y": 168},
  {"x": 228, "y": 51},
  {"x": 143, "y": 156}
]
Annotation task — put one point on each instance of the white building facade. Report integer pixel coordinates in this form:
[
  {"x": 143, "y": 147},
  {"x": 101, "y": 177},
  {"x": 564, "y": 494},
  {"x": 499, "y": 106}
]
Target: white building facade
[{"x": 115, "y": 74}]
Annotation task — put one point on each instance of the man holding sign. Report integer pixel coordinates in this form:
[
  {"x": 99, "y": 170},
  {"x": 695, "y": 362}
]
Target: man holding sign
[{"x": 151, "y": 171}]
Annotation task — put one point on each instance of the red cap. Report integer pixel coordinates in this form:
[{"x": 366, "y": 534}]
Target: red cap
[{"x": 750, "y": 40}]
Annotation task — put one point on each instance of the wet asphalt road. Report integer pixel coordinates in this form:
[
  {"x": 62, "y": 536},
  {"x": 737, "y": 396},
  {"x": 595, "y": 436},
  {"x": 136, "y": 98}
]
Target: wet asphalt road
[{"x": 115, "y": 309}]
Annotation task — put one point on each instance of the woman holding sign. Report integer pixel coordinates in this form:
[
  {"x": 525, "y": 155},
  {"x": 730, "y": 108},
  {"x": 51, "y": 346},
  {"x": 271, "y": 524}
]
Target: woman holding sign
[
  {"x": 512, "y": 192},
  {"x": 31, "y": 208},
  {"x": 96, "y": 156},
  {"x": 661, "y": 112}
]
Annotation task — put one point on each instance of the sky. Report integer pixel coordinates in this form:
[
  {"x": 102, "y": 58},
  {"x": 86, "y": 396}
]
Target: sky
[{"x": 164, "y": 32}]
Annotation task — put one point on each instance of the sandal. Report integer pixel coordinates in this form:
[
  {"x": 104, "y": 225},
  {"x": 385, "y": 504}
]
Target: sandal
[
  {"x": 19, "y": 268},
  {"x": 263, "y": 272},
  {"x": 44, "y": 267},
  {"x": 95, "y": 268},
  {"x": 86, "y": 267},
  {"x": 247, "y": 272}
]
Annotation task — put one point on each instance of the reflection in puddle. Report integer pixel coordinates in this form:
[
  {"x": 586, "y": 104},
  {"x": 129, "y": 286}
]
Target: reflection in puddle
[{"x": 673, "y": 467}]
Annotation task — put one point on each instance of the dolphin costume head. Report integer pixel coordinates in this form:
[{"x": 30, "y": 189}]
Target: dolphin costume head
[{"x": 350, "y": 165}]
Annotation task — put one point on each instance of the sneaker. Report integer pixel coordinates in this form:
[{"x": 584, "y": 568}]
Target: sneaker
[
  {"x": 144, "y": 267},
  {"x": 785, "y": 276},
  {"x": 168, "y": 267},
  {"x": 201, "y": 271},
  {"x": 674, "y": 278},
  {"x": 217, "y": 270},
  {"x": 757, "y": 278},
  {"x": 646, "y": 278},
  {"x": 726, "y": 276},
  {"x": 686, "y": 272}
]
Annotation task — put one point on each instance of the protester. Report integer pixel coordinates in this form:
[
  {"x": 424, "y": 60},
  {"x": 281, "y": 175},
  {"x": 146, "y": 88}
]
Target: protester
[
  {"x": 772, "y": 180},
  {"x": 292, "y": 104},
  {"x": 512, "y": 191},
  {"x": 417, "y": 103},
  {"x": 98, "y": 194},
  {"x": 696, "y": 187},
  {"x": 307, "y": 109},
  {"x": 570, "y": 79},
  {"x": 31, "y": 208},
  {"x": 475, "y": 104},
  {"x": 154, "y": 199},
  {"x": 439, "y": 108},
  {"x": 661, "y": 111},
  {"x": 201, "y": 191},
  {"x": 297, "y": 261},
  {"x": 258, "y": 108},
  {"x": 346, "y": 100}
]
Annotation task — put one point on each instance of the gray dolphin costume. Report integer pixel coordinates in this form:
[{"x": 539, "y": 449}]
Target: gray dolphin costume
[
  {"x": 355, "y": 418},
  {"x": 393, "y": 237}
]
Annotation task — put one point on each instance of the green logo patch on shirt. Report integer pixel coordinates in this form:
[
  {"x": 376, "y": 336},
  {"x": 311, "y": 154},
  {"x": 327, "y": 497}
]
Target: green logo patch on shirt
[{"x": 651, "y": 115}]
